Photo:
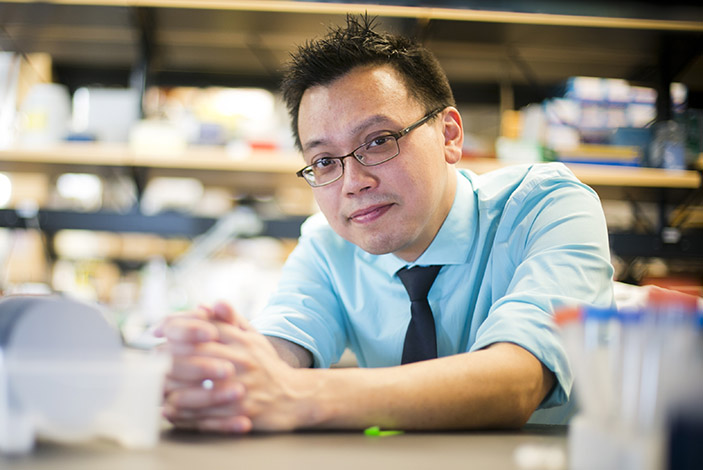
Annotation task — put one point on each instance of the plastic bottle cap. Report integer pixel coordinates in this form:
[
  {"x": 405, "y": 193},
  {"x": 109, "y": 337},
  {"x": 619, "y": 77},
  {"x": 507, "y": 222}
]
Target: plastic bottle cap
[
  {"x": 566, "y": 315},
  {"x": 599, "y": 314}
]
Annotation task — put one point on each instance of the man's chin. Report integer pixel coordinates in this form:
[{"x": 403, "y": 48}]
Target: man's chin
[
  {"x": 376, "y": 252},
  {"x": 376, "y": 243},
  {"x": 377, "y": 248}
]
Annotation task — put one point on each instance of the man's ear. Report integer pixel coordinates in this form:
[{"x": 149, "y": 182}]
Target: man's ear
[{"x": 453, "y": 135}]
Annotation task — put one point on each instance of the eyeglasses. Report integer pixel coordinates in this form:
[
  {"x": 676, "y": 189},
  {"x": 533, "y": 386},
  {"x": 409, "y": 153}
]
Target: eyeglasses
[{"x": 378, "y": 150}]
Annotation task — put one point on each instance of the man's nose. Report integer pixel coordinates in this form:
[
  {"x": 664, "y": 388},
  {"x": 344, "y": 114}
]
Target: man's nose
[{"x": 357, "y": 177}]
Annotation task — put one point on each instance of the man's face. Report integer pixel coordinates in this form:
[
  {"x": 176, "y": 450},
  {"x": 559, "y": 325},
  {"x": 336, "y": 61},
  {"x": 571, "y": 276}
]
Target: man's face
[{"x": 398, "y": 206}]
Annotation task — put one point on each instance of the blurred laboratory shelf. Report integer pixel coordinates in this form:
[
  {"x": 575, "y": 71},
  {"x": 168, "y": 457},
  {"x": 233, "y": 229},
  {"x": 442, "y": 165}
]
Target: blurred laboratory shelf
[
  {"x": 216, "y": 159},
  {"x": 168, "y": 224},
  {"x": 610, "y": 175},
  {"x": 484, "y": 48},
  {"x": 271, "y": 172}
]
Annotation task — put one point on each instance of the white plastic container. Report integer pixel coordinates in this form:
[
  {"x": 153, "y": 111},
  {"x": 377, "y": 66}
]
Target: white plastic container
[
  {"x": 65, "y": 376},
  {"x": 45, "y": 115}
]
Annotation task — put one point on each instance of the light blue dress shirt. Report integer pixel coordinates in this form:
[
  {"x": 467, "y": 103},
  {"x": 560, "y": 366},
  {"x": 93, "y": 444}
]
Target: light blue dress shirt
[{"x": 517, "y": 244}]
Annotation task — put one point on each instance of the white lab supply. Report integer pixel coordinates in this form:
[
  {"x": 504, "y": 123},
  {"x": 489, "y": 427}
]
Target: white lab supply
[
  {"x": 635, "y": 368},
  {"x": 65, "y": 376},
  {"x": 45, "y": 115},
  {"x": 106, "y": 114}
]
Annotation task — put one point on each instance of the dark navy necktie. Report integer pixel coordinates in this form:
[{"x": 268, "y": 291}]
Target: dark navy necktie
[{"x": 421, "y": 337}]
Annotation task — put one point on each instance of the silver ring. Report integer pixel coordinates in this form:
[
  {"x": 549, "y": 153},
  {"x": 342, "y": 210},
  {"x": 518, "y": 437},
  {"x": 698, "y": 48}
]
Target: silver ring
[{"x": 207, "y": 384}]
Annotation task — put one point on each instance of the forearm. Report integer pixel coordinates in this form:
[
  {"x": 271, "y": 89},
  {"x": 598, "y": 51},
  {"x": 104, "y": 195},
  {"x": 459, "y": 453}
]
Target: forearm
[
  {"x": 494, "y": 388},
  {"x": 262, "y": 388}
]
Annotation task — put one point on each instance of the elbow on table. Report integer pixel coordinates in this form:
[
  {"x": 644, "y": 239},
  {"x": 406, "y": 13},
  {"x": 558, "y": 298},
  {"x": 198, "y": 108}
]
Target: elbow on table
[
  {"x": 521, "y": 386},
  {"x": 506, "y": 410},
  {"x": 521, "y": 414},
  {"x": 527, "y": 399},
  {"x": 509, "y": 413}
]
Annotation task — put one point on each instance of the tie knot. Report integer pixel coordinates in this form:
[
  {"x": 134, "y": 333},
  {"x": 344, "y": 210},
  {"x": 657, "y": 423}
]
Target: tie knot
[{"x": 418, "y": 280}]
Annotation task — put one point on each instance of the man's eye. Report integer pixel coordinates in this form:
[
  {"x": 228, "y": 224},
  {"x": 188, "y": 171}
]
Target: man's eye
[
  {"x": 379, "y": 141},
  {"x": 323, "y": 162}
]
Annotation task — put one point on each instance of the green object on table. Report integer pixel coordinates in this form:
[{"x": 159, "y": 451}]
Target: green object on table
[{"x": 376, "y": 431}]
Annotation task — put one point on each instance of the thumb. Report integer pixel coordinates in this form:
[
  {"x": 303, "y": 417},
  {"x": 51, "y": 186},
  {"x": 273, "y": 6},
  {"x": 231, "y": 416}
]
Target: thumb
[{"x": 224, "y": 312}]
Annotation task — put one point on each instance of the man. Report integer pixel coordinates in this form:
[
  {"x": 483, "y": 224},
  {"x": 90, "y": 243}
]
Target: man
[{"x": 376, "y": 122}]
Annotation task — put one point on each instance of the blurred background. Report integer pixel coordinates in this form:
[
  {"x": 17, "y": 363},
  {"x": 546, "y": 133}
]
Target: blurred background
[{"x": 146, "y": 160}]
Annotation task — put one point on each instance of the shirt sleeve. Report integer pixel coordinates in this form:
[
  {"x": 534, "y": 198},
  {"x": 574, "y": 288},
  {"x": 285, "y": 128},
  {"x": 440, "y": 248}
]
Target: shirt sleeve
[
  {"x": 305, "y": 308},
  {"x": 554, "y": 242}
]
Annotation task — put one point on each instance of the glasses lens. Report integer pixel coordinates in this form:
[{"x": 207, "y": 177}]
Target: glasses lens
[
  {"x": 378, "y": 150},
  {"x": 325, "y": 170}
]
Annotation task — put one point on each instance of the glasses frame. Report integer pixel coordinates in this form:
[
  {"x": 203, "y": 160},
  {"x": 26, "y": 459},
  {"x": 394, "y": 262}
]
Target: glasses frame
[{"x": 396, "y": 135}]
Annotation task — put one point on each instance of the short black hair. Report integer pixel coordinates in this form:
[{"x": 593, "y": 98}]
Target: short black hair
[{"x": 321, "y": 61}]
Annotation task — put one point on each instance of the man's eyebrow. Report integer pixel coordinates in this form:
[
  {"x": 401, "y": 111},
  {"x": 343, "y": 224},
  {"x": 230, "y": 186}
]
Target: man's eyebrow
[
  {"x": 366, "y": 123},
  {"x": 312, "y": 144}
]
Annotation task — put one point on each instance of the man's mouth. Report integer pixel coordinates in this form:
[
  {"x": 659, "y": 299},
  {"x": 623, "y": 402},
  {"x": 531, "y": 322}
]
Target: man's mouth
[{"x": 369, "y": 214}]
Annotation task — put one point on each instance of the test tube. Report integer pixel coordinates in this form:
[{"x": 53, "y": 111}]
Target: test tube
[
  {"x": 601, "y": 358},
  {"x": 668, "y": 355},
  {"x": 629, "y": 369},
  {"x": 588, "y": 334}
]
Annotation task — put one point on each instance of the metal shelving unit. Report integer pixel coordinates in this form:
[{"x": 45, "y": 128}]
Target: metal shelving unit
[{"x": 506, "y": 55}]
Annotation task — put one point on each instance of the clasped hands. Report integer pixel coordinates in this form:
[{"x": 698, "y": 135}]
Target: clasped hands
[{"x": 226, "y": 376}]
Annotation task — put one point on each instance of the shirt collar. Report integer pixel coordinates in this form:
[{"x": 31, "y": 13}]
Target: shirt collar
[{"x": 455, "y": 239}]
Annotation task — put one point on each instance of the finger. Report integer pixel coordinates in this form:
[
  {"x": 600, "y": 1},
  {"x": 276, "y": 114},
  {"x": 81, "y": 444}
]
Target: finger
[
  {"x": 199, "y": 368},
  {"x": 234, "y": 345},
  {"x": 187, "y": 330},
  {"x": 242, "y": 334},
  {"x": 199, "y": 397},
  {"x": 199, "y": 313},
  {"x": 172, "y": 385},
  {"x": 237, "y": 354},
  {"x": 230, "y": 424},
  {"x": 211, "y": 349},
  {"x": 228, "y": 333},
  {"x": 224, "y": 312},
  {"x": 227, "y": 336},
  {"x": 197, "y": 414}
]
